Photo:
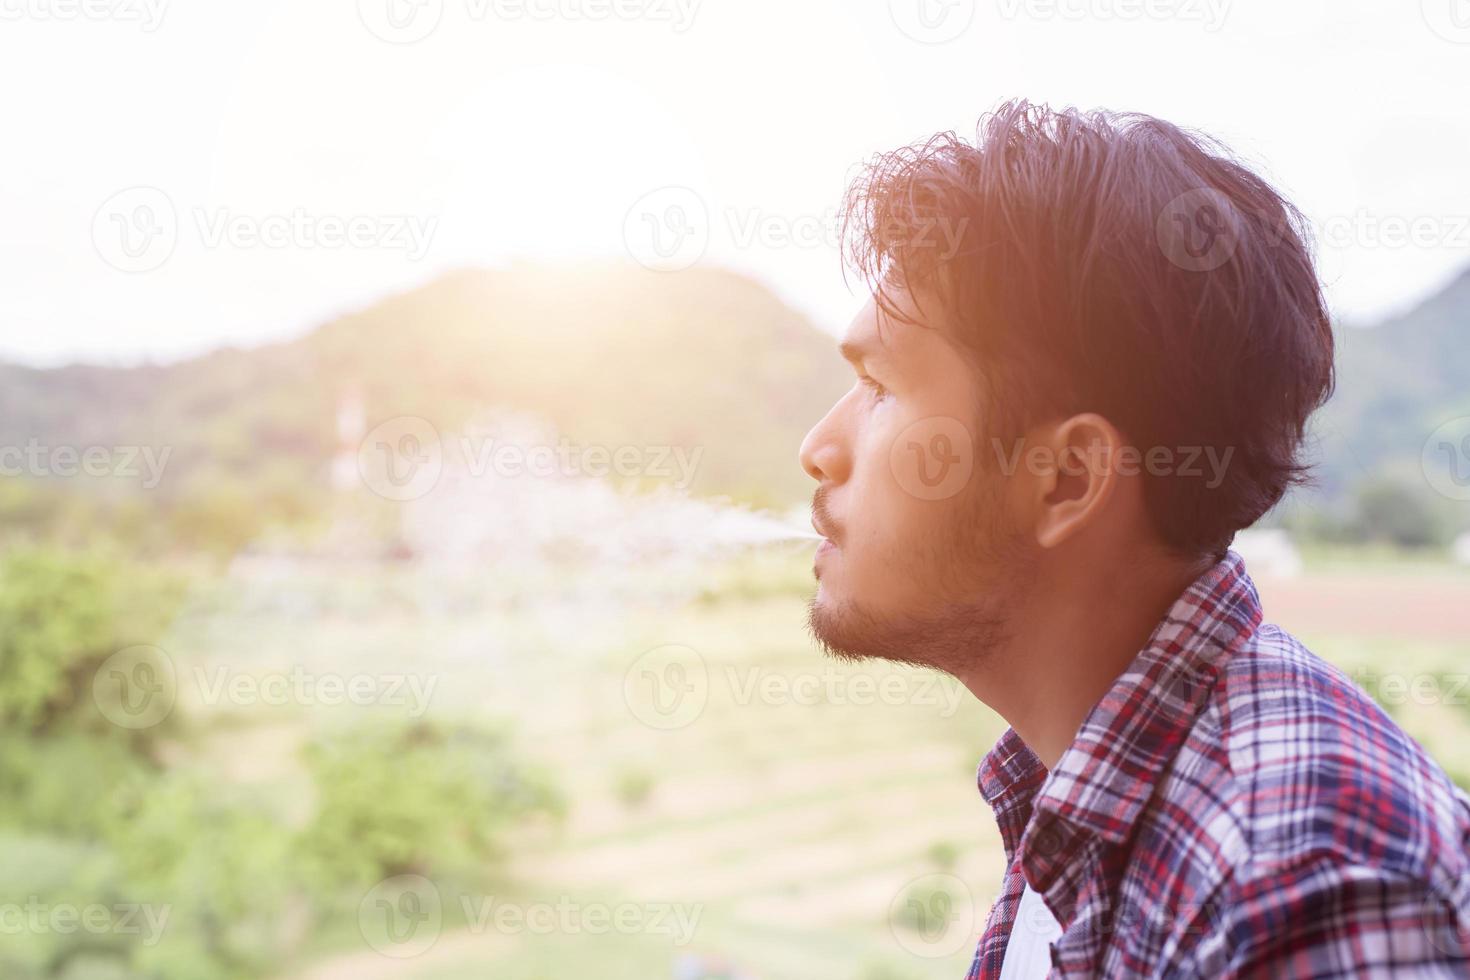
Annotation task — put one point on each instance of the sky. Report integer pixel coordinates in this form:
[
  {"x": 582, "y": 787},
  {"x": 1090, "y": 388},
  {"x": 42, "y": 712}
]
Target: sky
[{"x": 183, "y": 174}]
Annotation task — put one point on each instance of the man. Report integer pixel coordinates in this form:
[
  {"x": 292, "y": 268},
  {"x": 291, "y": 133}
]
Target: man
[{"x": 1092, "y": 350}]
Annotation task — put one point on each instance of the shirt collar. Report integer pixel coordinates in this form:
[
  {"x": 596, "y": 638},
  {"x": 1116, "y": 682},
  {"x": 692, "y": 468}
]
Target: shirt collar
[{"x": 1101, "y": 783}]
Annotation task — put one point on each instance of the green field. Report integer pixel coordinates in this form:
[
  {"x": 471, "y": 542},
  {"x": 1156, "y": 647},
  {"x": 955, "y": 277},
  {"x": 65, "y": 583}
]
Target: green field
[
  {"x": 732, "y": 798},
  {"x": 807, "y": 819}
]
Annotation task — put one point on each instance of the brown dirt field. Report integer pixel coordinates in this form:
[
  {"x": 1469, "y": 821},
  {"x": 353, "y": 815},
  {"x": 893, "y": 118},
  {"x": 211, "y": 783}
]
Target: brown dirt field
[{"x": 1370, "y": 604}]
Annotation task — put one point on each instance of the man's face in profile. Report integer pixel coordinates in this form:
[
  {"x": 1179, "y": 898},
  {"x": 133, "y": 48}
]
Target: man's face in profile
[{"x": 921, "y": 554}]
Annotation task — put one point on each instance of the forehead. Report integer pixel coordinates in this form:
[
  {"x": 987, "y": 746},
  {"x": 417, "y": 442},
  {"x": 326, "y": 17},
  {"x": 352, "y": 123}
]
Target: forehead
[{"x": 875, "y": 333}]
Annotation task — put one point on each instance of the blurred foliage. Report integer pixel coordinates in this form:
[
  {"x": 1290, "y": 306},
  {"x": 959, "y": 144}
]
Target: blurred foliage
[
  {"x": 413, "y": 798},
  {"x": 634, "y": 787},
  {"x": 61, "y": 616},
  {"x": 1385, "y": 510},
  {"x": 944, "y": 855},
  {"x": 1397, "y": 513},
  {"x": 219, "y": 861},
  {"x": 190, "y": 876}
]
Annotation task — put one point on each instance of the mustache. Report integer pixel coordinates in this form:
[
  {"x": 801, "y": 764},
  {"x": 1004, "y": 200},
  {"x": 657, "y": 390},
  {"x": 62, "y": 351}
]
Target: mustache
[{"x": 822, "y": 515}]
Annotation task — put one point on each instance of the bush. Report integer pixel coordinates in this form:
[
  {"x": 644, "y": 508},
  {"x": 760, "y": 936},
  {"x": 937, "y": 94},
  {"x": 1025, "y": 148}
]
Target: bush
[
  {"x": 41, "y": 875},
  {"x": 1392, "y": 512},
  {"x": 944, "y": 854},
  {"x": 218, "y": 863},
  {"x": 634, "y": 787},
  {"x": 61, "y": 616},
  {"x": 66, "y": 784},
  {"x": 419, "y": 798}
]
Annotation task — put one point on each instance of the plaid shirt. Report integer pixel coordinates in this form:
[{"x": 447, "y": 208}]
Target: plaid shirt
[{"x": 1233, "y": 806}]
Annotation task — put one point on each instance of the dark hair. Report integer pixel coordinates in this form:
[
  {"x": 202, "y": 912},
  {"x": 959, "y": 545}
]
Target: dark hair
[{"x": 1114, "y": 263}]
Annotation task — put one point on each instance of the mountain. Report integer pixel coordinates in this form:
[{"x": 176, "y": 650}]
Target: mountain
[
  {"x": 608, "y": 355},
  {"x": 1397, "y": 382}
]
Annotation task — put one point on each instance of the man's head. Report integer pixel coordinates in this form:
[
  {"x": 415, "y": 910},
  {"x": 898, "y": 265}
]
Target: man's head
[{"x": 1094, "y": 339}]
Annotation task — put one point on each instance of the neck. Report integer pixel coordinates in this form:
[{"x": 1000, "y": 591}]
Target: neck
[{"x": 1072, "y": 636}]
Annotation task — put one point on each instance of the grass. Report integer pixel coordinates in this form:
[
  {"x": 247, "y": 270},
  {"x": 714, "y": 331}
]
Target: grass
[{"x": 792, "y": 814}]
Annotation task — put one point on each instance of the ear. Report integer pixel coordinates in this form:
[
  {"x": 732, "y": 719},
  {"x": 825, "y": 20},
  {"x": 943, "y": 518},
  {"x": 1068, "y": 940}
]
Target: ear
[{"x": 1074, "y": 489}]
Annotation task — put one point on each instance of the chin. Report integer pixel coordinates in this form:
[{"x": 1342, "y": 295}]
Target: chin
[
  {"x": 845, "y": 630},
  {"x": 949, "y": 637}
]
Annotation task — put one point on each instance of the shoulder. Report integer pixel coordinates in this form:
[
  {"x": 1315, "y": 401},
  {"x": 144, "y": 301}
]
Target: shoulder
[
  {"x": 1317, "y": 768},
  {"x": 1340, "y": 845}
]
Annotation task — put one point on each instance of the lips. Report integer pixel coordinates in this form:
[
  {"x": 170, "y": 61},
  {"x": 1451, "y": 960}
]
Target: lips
[{"x": 822, "y": 521}]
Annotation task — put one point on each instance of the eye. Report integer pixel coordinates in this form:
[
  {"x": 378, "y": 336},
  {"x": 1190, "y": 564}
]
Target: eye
[{"x": 878, "y": 390}]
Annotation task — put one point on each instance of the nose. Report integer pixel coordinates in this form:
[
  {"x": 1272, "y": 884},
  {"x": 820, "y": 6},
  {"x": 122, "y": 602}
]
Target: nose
[{"x": 824, "y": 451}]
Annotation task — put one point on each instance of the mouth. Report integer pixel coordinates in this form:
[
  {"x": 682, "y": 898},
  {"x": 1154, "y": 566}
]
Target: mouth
[{"x": 828, "y": 545}]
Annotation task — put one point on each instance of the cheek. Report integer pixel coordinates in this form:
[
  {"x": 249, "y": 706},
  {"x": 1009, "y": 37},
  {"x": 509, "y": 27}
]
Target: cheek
[
  {"x": 912, "y": 463},
  {"x": 889, "y": 524}
]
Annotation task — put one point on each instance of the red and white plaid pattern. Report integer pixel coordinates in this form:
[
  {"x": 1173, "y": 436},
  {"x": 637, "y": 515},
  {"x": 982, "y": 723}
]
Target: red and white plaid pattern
[{"x": 1234, "y": 806}]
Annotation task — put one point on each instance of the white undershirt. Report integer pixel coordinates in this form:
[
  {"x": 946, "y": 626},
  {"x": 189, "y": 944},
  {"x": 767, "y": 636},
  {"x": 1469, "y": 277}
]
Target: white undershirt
[{"x": 1028, "y": 952}]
